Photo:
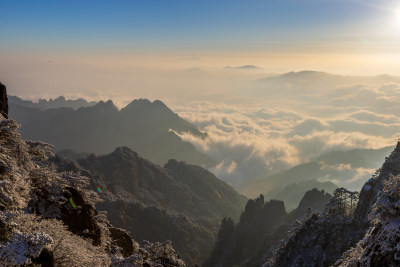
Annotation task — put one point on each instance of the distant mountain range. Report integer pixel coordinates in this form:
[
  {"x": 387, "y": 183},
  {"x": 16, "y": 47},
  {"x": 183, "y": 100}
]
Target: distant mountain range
[
  {"x": 332, "y": 166},
  {"x": 180, "y": 202},
  {"x": 144, "y": 126},
  {"x": 315, "y": 79},
  {"x": 59, "y": 102},
  {"x": 293, "y": 193}
]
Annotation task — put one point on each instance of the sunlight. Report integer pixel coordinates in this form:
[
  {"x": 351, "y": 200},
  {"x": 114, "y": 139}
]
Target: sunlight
[{"x": 397, "y": 16}]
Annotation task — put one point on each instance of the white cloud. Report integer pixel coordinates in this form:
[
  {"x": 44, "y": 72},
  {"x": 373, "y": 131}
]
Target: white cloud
[{"x": 252, "y": 139}]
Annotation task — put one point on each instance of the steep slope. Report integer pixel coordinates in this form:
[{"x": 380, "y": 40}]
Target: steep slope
[
  {"x": 325, "y": 238},
  {"x": 48, "y": 218},
  {"x": 259, "y": 230},
  {"x": 381, "y": 244},
  {"x": 147, "y": 127},
  {"x": 180, "y": 202},
  {"x": 239, "y": 243}
]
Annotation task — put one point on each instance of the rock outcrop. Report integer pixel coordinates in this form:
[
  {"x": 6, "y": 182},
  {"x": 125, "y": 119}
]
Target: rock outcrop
[
  {"x": 3, "y": 100},
  {"x": 381, "y": 244},
  {"x": 261, "y": 227}
]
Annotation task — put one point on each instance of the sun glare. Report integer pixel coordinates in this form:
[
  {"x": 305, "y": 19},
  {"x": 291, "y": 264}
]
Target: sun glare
[{"x": 398, "y": 17}]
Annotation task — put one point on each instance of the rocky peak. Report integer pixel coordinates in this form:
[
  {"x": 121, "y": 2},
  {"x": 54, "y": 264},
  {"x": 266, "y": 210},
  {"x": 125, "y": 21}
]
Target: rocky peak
[
  {"x": 314, "y": 199},
  {"x": 139, "y": 104},
  {"x": 105, "y": 107},
  {"x": 3, "y": 100}
]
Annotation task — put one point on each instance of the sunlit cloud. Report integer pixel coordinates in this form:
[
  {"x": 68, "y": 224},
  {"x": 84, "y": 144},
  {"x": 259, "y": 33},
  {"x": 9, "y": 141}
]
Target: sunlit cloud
[{"x": 252, "y": 141}]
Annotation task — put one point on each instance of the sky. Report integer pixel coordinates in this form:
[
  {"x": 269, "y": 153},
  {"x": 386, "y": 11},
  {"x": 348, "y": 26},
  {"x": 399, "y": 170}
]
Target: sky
[
  {"x": 217, "y": 64},
  {"x": 51, "y": 47},
  {"x": 207, "y": 26}
]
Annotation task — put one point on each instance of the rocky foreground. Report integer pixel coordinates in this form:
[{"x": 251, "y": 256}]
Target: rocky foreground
[{"x": 48, "y": 218}]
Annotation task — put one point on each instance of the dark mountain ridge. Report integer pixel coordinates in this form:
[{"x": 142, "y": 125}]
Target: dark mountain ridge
[
  {"x": 322, "y": 168},
  {"x": 59, "y": 102},
  {"x": 179, "y": 202},
  {"x": 146, "y": 127}
]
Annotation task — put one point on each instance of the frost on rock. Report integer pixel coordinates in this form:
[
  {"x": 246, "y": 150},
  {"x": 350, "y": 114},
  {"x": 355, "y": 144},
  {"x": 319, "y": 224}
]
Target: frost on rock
[
  {"x": 320, "y": 239},
  {"x": 381, "y": 244},
  {"x": 22, "y": 247},
  {"x": 152, "y": 254},
  {"x": 365, "y": 234}
]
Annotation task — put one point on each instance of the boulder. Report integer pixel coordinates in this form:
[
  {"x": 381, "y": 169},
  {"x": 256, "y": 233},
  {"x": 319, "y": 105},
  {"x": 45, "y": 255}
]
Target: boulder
[{"x": 123, "y": 240}]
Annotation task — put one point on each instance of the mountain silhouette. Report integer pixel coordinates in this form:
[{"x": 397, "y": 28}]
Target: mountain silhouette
[
  {"x": 262, "y": 225},
  {"x": 59, "y": 102},
  {"x": 146, "y": 127},
  {"x": 334, "y": 165}
]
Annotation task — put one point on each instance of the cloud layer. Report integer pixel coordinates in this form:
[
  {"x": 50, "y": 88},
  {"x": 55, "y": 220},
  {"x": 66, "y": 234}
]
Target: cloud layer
[{"x": 255, "y": 138}]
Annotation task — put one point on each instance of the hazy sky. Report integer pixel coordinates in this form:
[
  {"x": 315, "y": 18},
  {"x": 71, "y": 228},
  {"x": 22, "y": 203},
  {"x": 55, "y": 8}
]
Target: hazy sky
[
  {"x": 88, "y": 47},
  {"x": 209, "y": 61}
]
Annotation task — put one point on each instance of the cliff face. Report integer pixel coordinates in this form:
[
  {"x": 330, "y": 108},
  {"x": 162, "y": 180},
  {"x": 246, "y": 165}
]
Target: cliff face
[
  {"x": 48, "y": 218},
  {"x": 237, "y": 244},
  {"x": 262, "y": 225},
  {"x": 370, "y": 191},
  {"x": 3, "y": 100},
  {"x": 381, "y": 244},
  {"x": 365, "y": 236}
]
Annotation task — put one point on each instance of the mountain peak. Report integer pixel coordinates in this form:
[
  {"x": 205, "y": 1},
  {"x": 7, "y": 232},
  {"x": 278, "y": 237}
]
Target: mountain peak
[
  {"x": 124, "y": 151},
  {"x": 107, "y": 106},
  {"x": 145, "y": 104}
]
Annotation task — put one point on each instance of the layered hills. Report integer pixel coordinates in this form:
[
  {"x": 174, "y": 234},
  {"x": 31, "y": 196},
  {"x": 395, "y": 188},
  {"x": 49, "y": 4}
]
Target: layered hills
[
  {"x": 179, "y": 202},
  {"x": 346, "y": 229},
  {"x": 146, "y": 127},
  {"x": 363, "y": 233},
  {"x": 335, "y": 166}
]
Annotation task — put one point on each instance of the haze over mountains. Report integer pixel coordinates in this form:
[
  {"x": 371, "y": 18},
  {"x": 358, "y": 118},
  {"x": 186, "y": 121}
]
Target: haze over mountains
[
  {"x": 243, "y": 139},
  {"x": 180, "y": 202},
  {"x": 339, "y": 167},
  {"x": 222, "y": 133},
  {"x": 147, "y": 127},
  {"x": 284, "y": 120},
  {"x": 59, "y": 102},
  {"x": 185, "y": 202}
]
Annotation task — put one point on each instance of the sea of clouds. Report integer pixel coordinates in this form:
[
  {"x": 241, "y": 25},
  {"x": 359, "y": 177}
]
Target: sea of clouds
[{"x": 283, "y": 123}]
